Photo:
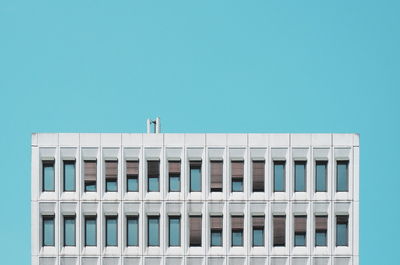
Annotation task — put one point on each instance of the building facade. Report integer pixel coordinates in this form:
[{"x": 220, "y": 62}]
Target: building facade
[{"x": 195, "y": 199}]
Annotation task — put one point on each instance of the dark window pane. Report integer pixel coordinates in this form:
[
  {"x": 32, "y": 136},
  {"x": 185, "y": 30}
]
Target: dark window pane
[
  {"x": 132, "y": 184},
  {"x": 321, "y": 176},
  {"x": 111, "y": 231},
  {"x": 237, "y": 238},
  {"x": 90, "y": 231},
  {"x": 48, "y": 175},
  {"x": 320, "y": 238},
  {"x": 237, "y": 185},
  {"x": 216, "y": 238},
  {"x": 153, "y": 232},
  {"x": 195, "y": 177},
  {"x": 48, "y": 230},
  {"x": 174, "y": 183},
  {"x": 111, "y": 185},
  {"x": 69, "y": 175},
  {"x": 258, "y": 237},
  {"x": 342, "y": 230},
  {"x": 132, "y": 231},
  {"x": 300, "y": 176},
  {"x": 299, "y": 239},
  {"x": 69, "y": 230},
  {"x": 174, "y": 231},
  {"x": 342, "y": 181},
  {"x": 90, "y": 186},
  {"x": 279, "y": 176}
]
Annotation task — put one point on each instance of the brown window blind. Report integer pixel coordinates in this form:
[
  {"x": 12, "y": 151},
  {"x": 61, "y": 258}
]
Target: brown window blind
[
  {"x": 90, "y": 168},
  {"x": 258, "y": 221},
  {"x": 279, "y": 222},
  {"x": 237, "y": 222},
  {"x": 174, "y": 167},
  {"x": 216, "y": 175},
  {"x": 237, "y": 169},
  {"x": 321, "y": 223},
  {"x": 216, "y": 222},
  {"x": 194, "y": 164},
  {"x": 300, "y": 224},
  {"x": 153, "y": 169},
  {"x": 111, "y": 169},
  {"x": 132, "y": 168},
  {"x": 258, "y": 175},
  {"x": 195, "y": 230}
]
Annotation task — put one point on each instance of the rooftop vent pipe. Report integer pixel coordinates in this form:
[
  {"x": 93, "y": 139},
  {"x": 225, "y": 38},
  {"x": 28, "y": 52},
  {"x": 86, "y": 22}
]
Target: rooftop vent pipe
[{"x": 156, "y": 123}]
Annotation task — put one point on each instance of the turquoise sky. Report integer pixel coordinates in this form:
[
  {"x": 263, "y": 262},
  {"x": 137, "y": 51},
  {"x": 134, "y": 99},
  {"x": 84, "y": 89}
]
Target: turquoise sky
[{"x": 203, "y": 66}]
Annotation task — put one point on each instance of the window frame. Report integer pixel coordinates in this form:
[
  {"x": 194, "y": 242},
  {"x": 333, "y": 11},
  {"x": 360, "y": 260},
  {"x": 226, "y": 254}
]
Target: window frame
[
  {"x": 304, "y": 163},
  {"x": 325, "y": 163},
  {"x": 347, "y": 230},
  {"x": 347, "y": 163},
  {"x": 45, "y": 218},
  {"x": 199, "y": 167},
  {"x": 274, "y": 163},
  {"x": 174, "y": 217},
  {"x": 128, "y": 218},
  {"x": 47, "y": 163},
  {"x": 69, "y": 217},
  {"x": 69, "y": 162},
  {"x": 106, "y": 219},
  {"x": 155, "y": 217},
  {"x": 86, "y": 219}
]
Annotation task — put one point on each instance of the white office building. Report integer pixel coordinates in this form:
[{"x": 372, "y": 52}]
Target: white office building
[{"x": 195, "y": 199}]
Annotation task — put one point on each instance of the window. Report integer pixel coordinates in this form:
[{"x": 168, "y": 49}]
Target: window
[
  {"x": 300, "y": 176},
  {"x": 195, "y": 176},
  {"x": 237, "y": 231},
  {"x": 132, "y": 176},
  {"x": 48, "y": 175},
  {"x": 174, "y": 230},
  {"x": 237, "y": 175},
  {"x": 321, "y": 176},
  {"x": 153, "y": 231},
  {"x": 90, "y": 173},
  {"x": 279, "y": 176},
  {"x": 111, "y": 176},
  {"x": 258, "y": 176},
  {"x": 300, "y": 228},
  {"x": 321, "y": 229},
  {"x": 153, "y": 176},
  {"x": 174, "y": 176},
  {"x": 216, "y": 175},
  {"x": 69, "y": 231},
  {"x": 195, "y": 231},
  {"x": 90, "y": 231},
  {"x": 69, "y": 175},
  {"x": 216, "y": 230},
  {"x": 258, "y": 231},
  {"x": 342, "y": 176},
  {"x": 279, "y": 237},
  {"x": 111, "y": 231},
  {"x": 132, "y": 231},
  {"x": 48, "y": 231},
  {"x": 342, "y": 234}
]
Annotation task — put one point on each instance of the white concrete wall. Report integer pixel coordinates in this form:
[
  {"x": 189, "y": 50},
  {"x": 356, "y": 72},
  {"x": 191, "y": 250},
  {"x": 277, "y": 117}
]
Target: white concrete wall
[{"x": 188, "y": 147}]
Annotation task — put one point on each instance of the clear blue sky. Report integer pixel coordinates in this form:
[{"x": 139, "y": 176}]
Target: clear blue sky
[{"x": 203, "y": 66}]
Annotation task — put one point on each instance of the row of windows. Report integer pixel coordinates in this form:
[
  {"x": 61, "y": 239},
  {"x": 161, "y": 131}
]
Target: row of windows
[
  {"x": 195, "y": 230},
  {"x": 195, "y": 167}
]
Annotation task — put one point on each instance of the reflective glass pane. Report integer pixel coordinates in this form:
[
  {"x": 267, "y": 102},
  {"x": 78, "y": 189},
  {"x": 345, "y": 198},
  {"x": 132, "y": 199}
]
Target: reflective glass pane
[
  {"x": 90, "y": 186},
  {"x": 321, "y": 177},
  {"x": 133, "y": 232},
  {"x": 342, "y": 175},
  {"x": 258, "y": 237},
  {"x": 320, "y": 238},
  {"x": 153, "y": 232},
  {"x": 279, "y": 177},
  {"x": 300, "y": 170},
  {"x": 174, "y": 183},
  {"x": 111, "y": 231},
  {"x": 237, "y": 238},
  {"x": 111, "y": 185},
  {"x": 174, "y": 231},
  {"x": 216, "y": 238},
  {"x": 48, "y": 177},
  {"x": 195, "y": 179},
  {"x": 153, "y": 185},
  {"x": 133, "y": 184},
  {"x": 90, "y": 232},
  {"x": 48, "y": 231},
  {"x": 69, "y": 231},
  {"x": 341, "y": 235},
  {"x": 69, "y": 176},
  {"x": 299, "y": 239},
  {"x": 237, "y": 185}
]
